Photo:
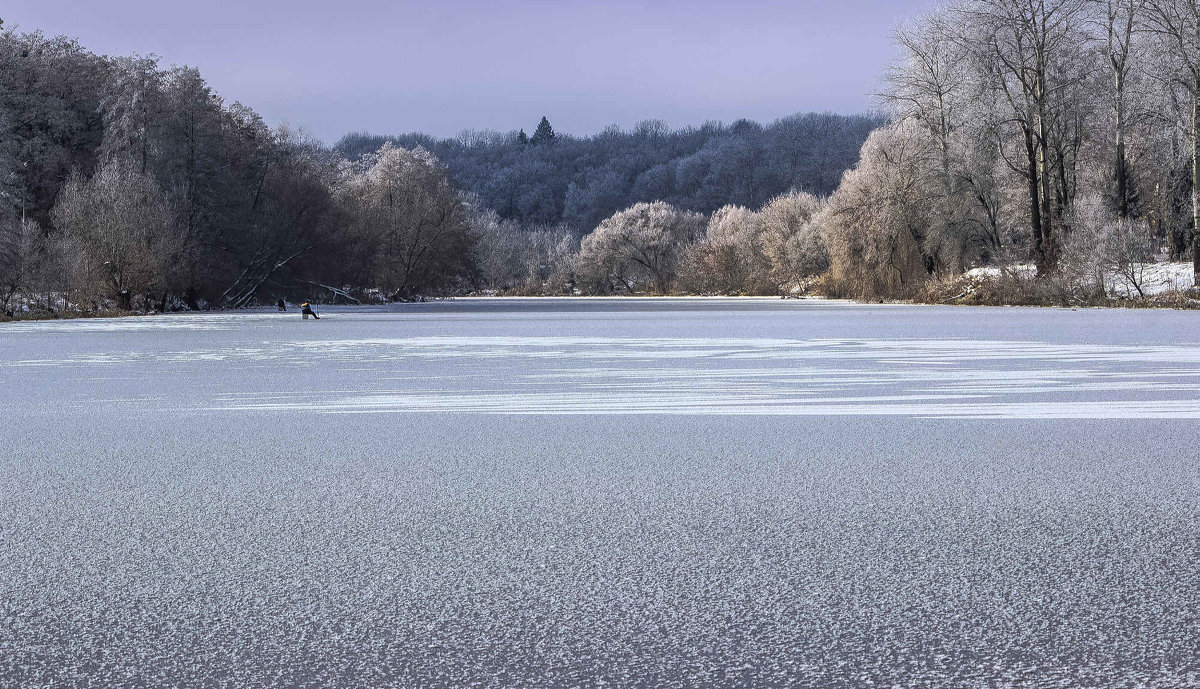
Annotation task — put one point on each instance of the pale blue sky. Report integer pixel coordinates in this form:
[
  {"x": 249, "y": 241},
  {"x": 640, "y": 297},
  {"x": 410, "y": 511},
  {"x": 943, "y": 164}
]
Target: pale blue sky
[{"x": 441, "y": 67}]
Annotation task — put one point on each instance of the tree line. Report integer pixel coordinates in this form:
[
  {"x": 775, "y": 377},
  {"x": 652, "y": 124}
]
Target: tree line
[
  {"x": 1056, "y": 133},
  {"x": 1059, "y": 132},
  {"x": 128, "y": 184}
]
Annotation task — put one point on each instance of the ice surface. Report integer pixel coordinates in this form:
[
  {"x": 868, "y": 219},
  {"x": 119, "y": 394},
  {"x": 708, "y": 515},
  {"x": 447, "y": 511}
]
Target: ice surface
[{"x": 594, "y": 492}]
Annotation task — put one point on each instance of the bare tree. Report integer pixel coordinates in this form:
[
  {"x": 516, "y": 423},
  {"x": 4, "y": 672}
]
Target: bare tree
[
  {"x": 1120, "y": 22},
  {"x": 293, "y": 213},
  {"x": 1025, "y": 42},
  {"x": 22, "y": 246},
  {"x": 1176, "y": 23}
]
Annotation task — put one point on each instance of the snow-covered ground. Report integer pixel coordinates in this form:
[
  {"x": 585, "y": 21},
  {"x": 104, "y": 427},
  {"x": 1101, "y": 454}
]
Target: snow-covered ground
[
  {"x": 515, "y": 492},
  {"x": 1020, "y": 270},
  {"x": 1153, "y": 278}
]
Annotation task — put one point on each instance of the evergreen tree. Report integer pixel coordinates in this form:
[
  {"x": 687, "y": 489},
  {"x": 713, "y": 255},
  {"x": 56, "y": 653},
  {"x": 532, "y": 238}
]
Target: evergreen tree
[
  {"x": 522, "y": 138},
  {"x": 544, "y": 133}
]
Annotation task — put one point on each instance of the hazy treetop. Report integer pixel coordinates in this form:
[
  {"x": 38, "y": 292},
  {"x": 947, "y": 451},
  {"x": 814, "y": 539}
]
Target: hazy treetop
[{"x": 449, "y": 65}]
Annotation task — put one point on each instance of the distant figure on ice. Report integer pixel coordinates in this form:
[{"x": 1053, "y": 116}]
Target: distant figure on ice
[
  {"x": 307, "y": 311},
  {"x": 282, "y": 305}
]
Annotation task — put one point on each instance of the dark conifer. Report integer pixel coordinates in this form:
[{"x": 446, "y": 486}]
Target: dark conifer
[{"x": 544, "y": 133}]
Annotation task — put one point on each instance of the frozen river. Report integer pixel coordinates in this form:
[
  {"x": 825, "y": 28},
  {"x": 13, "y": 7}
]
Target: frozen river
[{"x": 504, "y": 493}]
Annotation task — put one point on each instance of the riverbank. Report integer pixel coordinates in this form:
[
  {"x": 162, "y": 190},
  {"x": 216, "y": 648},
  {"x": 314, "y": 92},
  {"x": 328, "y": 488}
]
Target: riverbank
[
  {"x": 980, "y": 287},
  {"x": 1160, "y": 289}
]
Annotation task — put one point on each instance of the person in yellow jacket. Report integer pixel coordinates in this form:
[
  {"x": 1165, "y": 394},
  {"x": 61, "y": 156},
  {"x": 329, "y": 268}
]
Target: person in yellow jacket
[{"x": 307, "y": 311}]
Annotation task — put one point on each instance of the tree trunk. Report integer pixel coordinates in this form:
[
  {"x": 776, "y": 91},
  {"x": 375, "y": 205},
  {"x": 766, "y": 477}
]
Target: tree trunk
[
  {"x": 1118, "y": 56},
  {"x": 1035, "y": 208},
  {"x": 1122, "y": 164},
  {"x": 1048, "y": 240},
  {"x": 1196, "y": 184},
  {"x": 1122, "y": 183}
]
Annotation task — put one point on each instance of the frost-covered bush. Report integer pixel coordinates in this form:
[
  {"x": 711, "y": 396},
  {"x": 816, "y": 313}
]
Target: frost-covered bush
[{"x": 1102, "y": 251}]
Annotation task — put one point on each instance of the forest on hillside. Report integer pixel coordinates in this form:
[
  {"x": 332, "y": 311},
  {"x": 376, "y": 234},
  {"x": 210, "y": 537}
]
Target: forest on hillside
[
  {"x": 1051, "y": 143},
  {"x": 549, "y": 179}
]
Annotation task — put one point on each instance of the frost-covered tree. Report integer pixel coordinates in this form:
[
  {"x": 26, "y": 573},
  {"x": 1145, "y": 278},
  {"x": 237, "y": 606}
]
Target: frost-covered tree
[
  {"x": 194, "y": 132},
  {"x": 133, "y": 110},
  {"x": 1015, "y": 110},
  {"x": 50, "y": 93},
  {"x": 1176, "y": 26},
  {"x": 791, "y": 240},
  {"x": 1121, "y": 22},
  {"x": 405, "y": 210},
  {"x": 123, "y": 228},
  {"x": 22, "y": 250},
  {"x": 729, "y": 258},
  {"x": 581, "y": 181},
  {"x": 875, "y": 225},
  {"x": 512, "y": 258},
  {"x": 932, "y": 85},
  {"x": 637, "y": 249},
  {"x": 1033, "y": 52},
  {"x": 771, "y": 251}
]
